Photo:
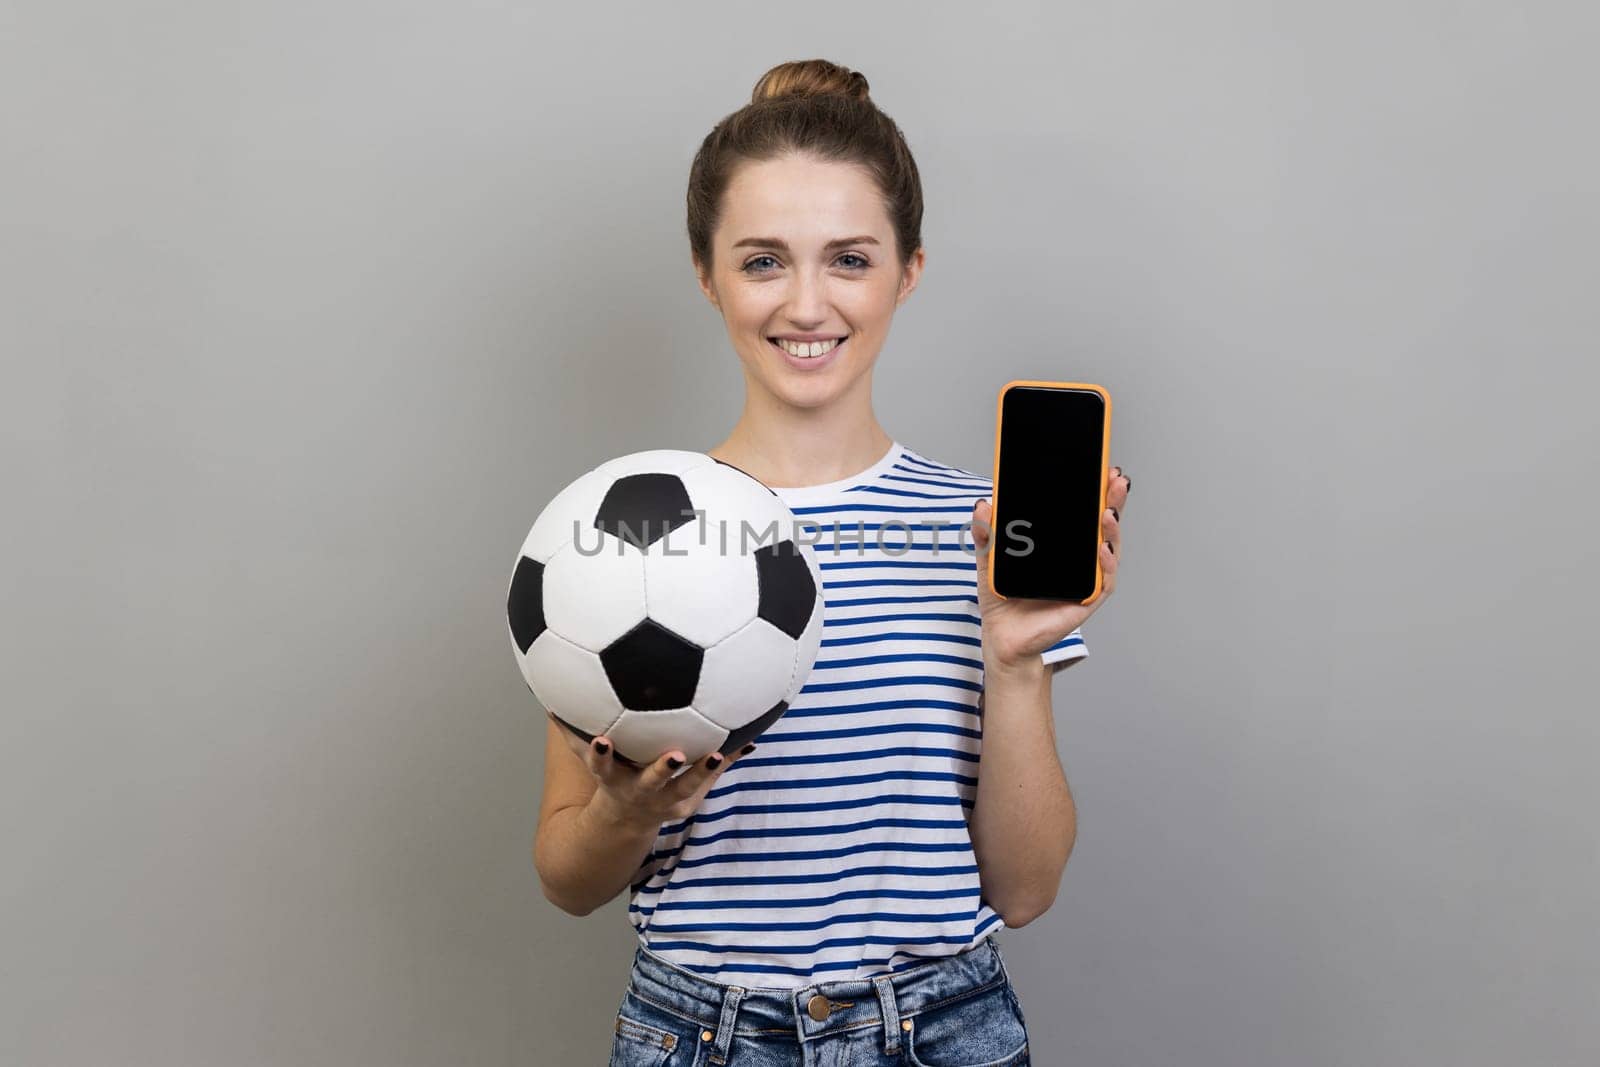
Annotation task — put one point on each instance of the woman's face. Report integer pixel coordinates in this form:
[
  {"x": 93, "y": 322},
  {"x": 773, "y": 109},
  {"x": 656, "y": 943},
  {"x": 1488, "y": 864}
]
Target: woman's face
[{"x": 805, "y": 248}]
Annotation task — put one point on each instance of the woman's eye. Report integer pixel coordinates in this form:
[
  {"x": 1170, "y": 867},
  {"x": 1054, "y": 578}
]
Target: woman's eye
[{"x": 751, "y": 267}]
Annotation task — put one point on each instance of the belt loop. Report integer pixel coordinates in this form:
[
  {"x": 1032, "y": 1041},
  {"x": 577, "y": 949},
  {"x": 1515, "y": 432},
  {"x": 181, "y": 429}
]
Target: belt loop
[
  {"x": 724, "y": 1038},
  {"x": 994, "y": 945},
  {"x": 891, "y": 1014}
]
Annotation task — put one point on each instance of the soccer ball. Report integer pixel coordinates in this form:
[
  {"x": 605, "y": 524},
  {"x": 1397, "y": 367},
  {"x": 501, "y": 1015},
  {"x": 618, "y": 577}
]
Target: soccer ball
[{"x": 661, "y": 599}]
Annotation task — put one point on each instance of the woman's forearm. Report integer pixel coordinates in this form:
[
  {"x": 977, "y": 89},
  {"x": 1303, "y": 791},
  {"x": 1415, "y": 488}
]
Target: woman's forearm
[
  {"x": 1024, "y": 822},
  {"x": 587, "y": 854}
]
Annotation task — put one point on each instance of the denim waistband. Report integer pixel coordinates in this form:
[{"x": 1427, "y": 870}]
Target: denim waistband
[{"x": 883, "y": 1001}]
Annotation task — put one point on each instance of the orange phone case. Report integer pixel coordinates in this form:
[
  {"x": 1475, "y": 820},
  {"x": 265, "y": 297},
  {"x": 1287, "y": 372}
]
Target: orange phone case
[{"x": 1105, "y": 471}]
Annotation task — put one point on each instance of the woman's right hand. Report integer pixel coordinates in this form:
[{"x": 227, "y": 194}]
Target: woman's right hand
[{"x": 649, "y": 795}]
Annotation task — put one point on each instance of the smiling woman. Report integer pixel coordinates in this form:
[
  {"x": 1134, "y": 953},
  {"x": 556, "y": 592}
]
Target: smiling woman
[
  {"x": 827, "y": 889},
  {"x": 804, "y": 222}
]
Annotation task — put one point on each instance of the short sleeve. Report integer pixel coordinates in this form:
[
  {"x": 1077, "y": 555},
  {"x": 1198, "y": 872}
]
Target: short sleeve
[{"x": 1065, "y": 651}]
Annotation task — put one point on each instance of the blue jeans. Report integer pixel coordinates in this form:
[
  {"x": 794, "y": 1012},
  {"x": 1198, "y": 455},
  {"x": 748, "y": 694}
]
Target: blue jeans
[{"x": 959, "y": 1011}]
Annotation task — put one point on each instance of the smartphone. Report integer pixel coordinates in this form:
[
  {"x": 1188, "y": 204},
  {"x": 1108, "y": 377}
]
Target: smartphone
[{"x": 1051, "y": 456}]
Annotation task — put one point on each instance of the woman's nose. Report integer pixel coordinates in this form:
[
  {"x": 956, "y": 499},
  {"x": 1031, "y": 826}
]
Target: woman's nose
[{"x": 808, "y": 306}]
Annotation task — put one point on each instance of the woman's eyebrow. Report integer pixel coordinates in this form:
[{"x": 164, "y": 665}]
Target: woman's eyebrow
[{"x": 773, "y": 242}]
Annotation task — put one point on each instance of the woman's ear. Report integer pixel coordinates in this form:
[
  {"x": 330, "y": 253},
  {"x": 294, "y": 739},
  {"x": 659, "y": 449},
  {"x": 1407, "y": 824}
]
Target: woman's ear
[
  {"x": 705, "y": 282},
  {"x": 909, "y": 276}
]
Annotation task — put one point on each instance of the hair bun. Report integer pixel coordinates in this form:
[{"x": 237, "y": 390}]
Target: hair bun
[{"x": 810, "y": 77}]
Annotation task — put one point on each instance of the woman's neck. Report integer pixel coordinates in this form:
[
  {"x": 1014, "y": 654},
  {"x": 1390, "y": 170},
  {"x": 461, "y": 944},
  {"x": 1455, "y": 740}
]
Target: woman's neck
[{"x": 803, "y": 453}]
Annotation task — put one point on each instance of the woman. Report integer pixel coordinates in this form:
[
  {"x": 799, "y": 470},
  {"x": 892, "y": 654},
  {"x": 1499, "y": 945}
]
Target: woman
[{"x": 841, "y": 888}]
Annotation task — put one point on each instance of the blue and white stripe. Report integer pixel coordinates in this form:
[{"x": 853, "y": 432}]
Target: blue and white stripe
[{"x": 839, "y": 848}]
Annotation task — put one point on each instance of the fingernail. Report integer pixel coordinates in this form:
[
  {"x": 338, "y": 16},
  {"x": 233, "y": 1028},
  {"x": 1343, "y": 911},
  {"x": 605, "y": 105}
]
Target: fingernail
[
  {"x": 751, "y": 747},
  {"x": 715, "y": 761},
  {"x": 674, "y": 762},
  {"x": 1130, "y": 486},
  {"x": 1114, "y": 514},
  {"x": 602, "y": 748},
  {"x": 1112, "y": 547}
]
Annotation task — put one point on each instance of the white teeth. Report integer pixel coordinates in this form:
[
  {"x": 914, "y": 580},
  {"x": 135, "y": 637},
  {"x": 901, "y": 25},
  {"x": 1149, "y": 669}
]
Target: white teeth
[{"x": 808, "y": 351}]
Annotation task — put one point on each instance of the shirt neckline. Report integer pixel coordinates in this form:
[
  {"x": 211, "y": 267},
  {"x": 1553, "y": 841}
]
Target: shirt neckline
[{"x": 806, "y": 494}]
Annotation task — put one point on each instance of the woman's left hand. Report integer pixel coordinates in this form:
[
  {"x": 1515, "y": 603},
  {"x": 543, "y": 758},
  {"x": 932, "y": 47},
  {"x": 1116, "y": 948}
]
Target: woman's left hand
[{"x": 1020, "y": 629}]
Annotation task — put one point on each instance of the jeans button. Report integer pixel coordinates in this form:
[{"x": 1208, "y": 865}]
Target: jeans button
[{"x": 817, "y": 1007}]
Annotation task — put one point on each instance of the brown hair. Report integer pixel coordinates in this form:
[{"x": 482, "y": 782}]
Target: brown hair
[{"x": 815, "y": 107}]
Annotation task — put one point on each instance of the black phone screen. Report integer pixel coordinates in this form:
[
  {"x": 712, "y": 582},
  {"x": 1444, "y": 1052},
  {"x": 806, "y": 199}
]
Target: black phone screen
[{"x": 1046, "y": 538}]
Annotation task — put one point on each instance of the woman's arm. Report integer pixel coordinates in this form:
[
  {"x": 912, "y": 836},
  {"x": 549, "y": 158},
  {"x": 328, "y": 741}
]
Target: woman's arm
[
  {"x": 1024, "y": 822},
  {"x": 598, "y": 819},
  {"x": 584, "y": 850}
]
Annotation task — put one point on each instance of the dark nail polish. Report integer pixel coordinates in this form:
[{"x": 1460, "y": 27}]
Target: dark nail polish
[
  {"x": 751, "y": 747},
  {"x": 715, "y": 761},
  {"x": 674, "y": 762},
  {"x": 602, "y": 748},
  {"x": 1112, "y": 547},
  {"x": 1115, "y": 514},
  {"x": 1130, "y": 486}
]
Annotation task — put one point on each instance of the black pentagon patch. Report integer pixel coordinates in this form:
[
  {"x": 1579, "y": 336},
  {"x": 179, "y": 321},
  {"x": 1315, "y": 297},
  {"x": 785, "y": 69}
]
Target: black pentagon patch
[
  {"x": 587, "y": 737},
  {"x": 525, "y": 603},
  {"x": 788, "y": 595},
  {"x": 641, "y": 509},
  {"x": 652, "y": 669},
  {"x": 747, "y": 733},
  {"x": 747, "y": 474}
]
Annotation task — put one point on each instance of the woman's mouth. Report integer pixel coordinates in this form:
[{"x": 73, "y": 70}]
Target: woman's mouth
[{"x": 826, "y": 353}]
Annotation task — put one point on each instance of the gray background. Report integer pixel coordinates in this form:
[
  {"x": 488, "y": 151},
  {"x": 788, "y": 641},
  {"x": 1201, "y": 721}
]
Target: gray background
[{"x": 309, "y": 309}]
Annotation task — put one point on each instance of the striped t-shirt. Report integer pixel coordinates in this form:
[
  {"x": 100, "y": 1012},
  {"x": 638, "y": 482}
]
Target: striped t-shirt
[{"x": 839, "y": 848}]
